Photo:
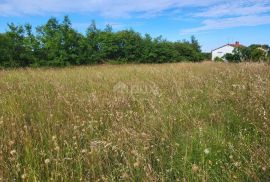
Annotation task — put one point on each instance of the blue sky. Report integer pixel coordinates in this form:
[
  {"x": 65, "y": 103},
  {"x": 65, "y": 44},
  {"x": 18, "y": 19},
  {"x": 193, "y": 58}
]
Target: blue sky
[{"x": 213, "y": 22}]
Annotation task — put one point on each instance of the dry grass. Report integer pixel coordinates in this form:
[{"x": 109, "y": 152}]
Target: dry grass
[{"x": 174, "y": 122}]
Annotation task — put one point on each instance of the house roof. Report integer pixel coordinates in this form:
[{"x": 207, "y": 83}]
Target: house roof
[{"x": 235, "y": 45}]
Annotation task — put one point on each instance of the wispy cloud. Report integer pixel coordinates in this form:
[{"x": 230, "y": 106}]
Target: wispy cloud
[
  {"x": 241, "y": 13},
  {"x": 221, "y": 23},
  {"x": 109, "y": 8},
  {"x": 212, "y": 14},
  {"x": 235, "y": 8}
]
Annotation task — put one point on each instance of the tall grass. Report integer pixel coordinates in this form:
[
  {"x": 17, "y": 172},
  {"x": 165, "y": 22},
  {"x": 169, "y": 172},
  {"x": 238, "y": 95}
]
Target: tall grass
[{"x": 172, "y": 122}]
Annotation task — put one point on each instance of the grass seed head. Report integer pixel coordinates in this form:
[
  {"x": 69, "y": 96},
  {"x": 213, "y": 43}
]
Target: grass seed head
[{"x": 47, "y": 161}]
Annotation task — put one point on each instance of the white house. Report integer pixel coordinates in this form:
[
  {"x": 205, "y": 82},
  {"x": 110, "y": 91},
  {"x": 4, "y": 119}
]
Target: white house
[{"x": 221, "y": 51}]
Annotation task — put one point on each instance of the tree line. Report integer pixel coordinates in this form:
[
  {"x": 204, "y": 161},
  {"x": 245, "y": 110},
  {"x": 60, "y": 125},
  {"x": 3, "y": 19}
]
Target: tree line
[
  {"x": 252, "y": 53},
  {"x": 58, "y": 44}
]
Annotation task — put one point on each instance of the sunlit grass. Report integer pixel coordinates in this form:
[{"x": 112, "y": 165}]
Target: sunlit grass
[{"x": 171, "y": 122}]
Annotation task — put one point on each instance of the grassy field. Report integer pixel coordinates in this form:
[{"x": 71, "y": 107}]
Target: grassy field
[{"x": 171, "y": 122}]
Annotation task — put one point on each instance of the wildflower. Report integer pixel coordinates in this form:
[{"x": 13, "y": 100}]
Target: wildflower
[
  {"x": 264, "y": 168},
  {"x": 57, "y": 148},
  {"x": 134, "y": 152},
  {"x": 234, "y": 86},
  {"x": 114, "y": 148},
  {"x": 136, "y": 164},
  {"x": 47, "y": 161},
  {"x": 68, "y": 158},
  {"x": 53, "y": 137},
  {"x": 23, "y": 176},
  {"x": 195, "y": 168},
  {"x": 125, "y": 176},
  {"x": 236, "y": 164},
  {"x": 231, "y": 157},
  {"x": 11, "y": 143},
  {"x": 84, "y": 151},
  {"x": 231, "y": 146},
  {"x": 13, "y": 152},
  {"x": 145, "y": 148},
  {"x": 206, "y": 151},
  {"x": 144, "y": 134}
]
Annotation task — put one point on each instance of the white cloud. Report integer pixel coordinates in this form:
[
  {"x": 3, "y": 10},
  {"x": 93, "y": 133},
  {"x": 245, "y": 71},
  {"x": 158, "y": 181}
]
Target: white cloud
[
  {"x": 110, "y": 8},
  {"x": 239, "y": 13},
  {"x": 213, "y": 14},
  {"x": 236, "y": 8},
  {"x": 222, "y": 23}
]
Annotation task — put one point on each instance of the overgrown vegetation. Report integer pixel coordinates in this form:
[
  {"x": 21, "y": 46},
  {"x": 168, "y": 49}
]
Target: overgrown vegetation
[
  {"x": 171, "y": 122},
  {"x": 253, "y": 53},
  {"x": 58, "y": 44}
]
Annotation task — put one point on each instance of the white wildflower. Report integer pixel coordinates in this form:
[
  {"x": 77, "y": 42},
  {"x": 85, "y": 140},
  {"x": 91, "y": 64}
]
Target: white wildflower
[
  {"x": 47, "y": 161},
  {"x": 57, "y": 148},
  {"x": 13, "y": 152},
  {"x": 206, "y": 151},
  {"x": 23, "y": 176},
  {"x": 84, "y": 151},
  {"x": 53, "y": 137},
  {"x": 136, "y": 164}
]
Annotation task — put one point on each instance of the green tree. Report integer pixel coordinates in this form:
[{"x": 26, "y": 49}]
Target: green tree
[
  {"x": 234, "y": 57},
  {"x": 13, "y": 49},
  {"x": 148, "y": 55},
  {"x": 49, "y": 37},
  {"x": 195, "y": 44},
  {"x": 58, "y": 44},
  {"x": 258, "y": 55},
  {"x": 5, "y": 51},
  {"x": 70, "y": 43},
  {"x": 187, "y": 52},
  {"x": 130, "y": 45},
  {"x": 92, "y": 44},
  {"x": 31, "y": 45}
]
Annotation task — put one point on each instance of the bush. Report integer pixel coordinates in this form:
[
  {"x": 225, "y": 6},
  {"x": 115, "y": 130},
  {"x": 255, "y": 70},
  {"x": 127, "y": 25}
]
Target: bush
[
  {"x": 58, "y": 44},
  {"x": 207, "y": 56},
  {"x": 232, "y": 58},
  {"x": 218, "y": 59}
]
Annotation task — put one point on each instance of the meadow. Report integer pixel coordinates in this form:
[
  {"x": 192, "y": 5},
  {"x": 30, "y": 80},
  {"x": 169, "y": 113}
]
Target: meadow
[{"x": 170, "y": 122}]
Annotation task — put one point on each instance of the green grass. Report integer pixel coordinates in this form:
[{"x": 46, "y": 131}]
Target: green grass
[{"x": 171, "y": 122}]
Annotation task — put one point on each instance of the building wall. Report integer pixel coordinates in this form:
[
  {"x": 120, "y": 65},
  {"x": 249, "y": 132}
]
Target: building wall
[{"x": 222, "y": 51}]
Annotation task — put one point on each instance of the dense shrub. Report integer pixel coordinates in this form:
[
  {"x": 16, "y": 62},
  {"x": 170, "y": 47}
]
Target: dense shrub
[
  {"x": 58, "y": 44},
  {"x": 253, "y": 53},
  {"x": 218, "y": 59}
]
